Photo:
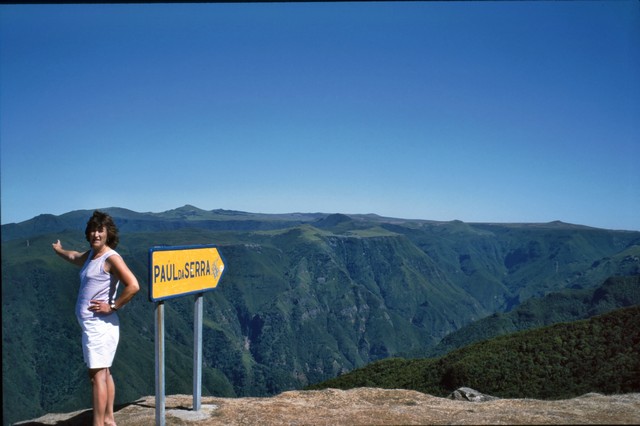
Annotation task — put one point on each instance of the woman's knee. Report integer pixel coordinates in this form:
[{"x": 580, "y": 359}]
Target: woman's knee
[{"x": 98, "y": 374}]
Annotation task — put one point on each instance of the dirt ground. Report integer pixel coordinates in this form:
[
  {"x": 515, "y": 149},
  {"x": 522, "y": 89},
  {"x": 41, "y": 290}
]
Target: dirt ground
[{"x": 365, "y": 406}]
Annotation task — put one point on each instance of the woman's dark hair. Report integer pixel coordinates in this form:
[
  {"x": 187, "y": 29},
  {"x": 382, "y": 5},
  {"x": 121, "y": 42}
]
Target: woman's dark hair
[{"x": 101, "y": 220}]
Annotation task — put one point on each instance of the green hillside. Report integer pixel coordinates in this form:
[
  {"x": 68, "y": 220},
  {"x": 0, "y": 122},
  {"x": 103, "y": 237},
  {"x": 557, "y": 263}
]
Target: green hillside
[
  {"x": 304, "y": 298},
  {"x": 564, "y": 306},
  {"x": 601, "y": 354}
]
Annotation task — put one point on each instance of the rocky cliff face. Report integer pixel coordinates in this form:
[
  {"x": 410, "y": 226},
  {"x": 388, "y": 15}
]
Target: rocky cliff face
[{"x": 367, "y": 406}]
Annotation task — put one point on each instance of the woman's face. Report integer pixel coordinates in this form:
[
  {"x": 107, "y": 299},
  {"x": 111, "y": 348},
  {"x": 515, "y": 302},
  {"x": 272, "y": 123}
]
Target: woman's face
[{"x": 98, "y": 238}]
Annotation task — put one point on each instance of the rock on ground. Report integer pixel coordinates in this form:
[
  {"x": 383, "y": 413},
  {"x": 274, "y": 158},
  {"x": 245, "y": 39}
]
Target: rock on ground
[
  {"x": 472, "y": 395},
  {"x": 366, "y": 406}
]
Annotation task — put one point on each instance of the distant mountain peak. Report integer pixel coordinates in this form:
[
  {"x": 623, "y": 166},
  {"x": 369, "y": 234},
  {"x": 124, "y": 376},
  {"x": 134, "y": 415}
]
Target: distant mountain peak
[
  {"x": 189, "y": 208},
  {"x": 333, "y": 220}
]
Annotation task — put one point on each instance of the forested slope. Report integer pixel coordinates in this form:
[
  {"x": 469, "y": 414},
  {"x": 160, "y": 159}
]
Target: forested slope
[
  {"x": 304, "y": 297},
  {"x": 601, "y": 354}
]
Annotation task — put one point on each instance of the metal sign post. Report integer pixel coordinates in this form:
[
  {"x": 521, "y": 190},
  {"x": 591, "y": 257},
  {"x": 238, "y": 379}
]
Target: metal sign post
[
  {"x": 197, "y": 352},
  {"x": 160, "y": 403},
  {"x": 175, "y": 272}
]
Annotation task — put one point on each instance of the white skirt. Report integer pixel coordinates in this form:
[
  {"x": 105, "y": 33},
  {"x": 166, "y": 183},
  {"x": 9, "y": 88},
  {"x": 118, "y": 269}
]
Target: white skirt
[{"x": 100, "y": 337}]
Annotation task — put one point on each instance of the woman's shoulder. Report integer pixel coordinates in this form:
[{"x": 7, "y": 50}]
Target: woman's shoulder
[
  {"x": 111, "y": 259},
  {"x": 110, "y": 253}
]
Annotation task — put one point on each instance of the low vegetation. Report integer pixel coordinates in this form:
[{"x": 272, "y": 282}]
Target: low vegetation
[{"x": 601, "y": 354}]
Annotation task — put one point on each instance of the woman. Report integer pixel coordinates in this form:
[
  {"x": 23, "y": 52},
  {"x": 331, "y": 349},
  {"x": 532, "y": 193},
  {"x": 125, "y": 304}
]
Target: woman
[{"x": 102, "y": 270}]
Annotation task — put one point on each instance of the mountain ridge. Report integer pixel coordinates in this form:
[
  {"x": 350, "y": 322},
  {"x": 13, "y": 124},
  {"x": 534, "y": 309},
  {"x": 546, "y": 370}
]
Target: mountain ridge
[
  {"x": 189, "y": 213},
  {"x": 305, "y": 297}
]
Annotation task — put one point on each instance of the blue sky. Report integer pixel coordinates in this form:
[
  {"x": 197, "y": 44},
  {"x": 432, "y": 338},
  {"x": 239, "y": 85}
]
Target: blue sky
[{"x": 476, "y": 111}]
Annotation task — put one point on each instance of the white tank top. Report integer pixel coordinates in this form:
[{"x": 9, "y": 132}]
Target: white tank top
[{"x": 95, "y": 284}]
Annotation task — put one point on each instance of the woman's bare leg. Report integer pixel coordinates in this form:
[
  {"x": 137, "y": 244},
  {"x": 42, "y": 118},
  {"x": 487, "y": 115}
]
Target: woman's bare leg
[
  {"x": 109, "y": 419},
  {"x": 100, "y": 394}
]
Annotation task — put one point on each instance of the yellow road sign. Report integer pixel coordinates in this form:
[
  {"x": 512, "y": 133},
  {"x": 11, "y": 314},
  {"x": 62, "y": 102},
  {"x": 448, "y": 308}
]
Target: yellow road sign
[{"x": 177, "y": 271}]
